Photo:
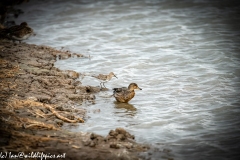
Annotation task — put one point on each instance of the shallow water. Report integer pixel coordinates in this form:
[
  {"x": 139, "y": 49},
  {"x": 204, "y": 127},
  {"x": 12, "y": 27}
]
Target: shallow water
[{"x": 185, "y": 56}]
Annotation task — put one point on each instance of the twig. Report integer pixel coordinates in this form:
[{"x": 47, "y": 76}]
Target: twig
[{"x": 61, "y": 117}]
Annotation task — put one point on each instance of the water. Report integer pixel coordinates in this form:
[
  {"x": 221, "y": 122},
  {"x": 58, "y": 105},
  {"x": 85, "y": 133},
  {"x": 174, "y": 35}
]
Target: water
[{"x": 185, "y": 56}]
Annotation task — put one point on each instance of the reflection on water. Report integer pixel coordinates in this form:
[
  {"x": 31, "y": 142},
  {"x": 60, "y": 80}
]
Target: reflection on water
[
  {"x": 129, "y": 108},
  {"x": 185, "y": 54}
]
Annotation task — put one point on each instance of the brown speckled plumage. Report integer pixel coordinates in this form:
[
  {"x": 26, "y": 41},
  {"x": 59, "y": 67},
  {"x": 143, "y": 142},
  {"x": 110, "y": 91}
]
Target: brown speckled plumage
[
  {"x": 20, "y": 32},
  {"x": 124, "y": 94},
  {"x": 105, "y": 78}
]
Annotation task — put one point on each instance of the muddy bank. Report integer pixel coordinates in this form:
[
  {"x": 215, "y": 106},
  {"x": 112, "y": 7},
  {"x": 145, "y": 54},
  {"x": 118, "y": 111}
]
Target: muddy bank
[{"x": 37, "y": 99}]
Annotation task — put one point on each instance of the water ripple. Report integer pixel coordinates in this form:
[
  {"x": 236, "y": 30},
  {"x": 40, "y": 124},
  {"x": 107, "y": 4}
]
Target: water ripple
[{"x": 184, "y": 55}]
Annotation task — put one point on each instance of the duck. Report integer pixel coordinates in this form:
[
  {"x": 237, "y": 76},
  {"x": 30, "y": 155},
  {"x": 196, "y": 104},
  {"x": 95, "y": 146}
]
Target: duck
[
  {"x": 104, "y": 78},
  {"x": 20, "y": 32},
  {"x": 124, "y": 94}
]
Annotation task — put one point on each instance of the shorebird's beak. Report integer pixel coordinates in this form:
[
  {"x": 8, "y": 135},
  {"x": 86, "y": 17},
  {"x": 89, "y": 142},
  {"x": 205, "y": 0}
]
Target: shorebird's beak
[
  {"x": 115, "y": 76},
  {"x": 139, "y": 88}
]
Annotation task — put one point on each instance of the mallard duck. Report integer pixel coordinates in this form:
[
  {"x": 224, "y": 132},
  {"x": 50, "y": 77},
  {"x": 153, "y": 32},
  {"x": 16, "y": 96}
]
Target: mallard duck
[
  {"x": 104, "y": 78},
  {"x": 20, "y": 32},
  {"x": 124, "y": 94}
]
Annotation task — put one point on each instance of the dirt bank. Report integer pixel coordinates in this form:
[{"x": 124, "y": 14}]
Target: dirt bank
[{"x": 37, "y": 99}]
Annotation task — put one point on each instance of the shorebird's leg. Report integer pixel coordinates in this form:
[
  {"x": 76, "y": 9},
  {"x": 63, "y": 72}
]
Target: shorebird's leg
[{"x": 103, "y": 84}]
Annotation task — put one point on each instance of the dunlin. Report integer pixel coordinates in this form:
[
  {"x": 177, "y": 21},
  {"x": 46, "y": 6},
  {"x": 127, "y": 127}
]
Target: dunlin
[
  {"x": 20, "y": 32},
  {"x": 105, "y": 78},
  {"x": 124, "y": 94}
]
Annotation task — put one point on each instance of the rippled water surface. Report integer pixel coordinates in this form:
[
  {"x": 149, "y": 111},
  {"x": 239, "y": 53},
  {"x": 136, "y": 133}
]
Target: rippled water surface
[{"x": 185, "y": 55}]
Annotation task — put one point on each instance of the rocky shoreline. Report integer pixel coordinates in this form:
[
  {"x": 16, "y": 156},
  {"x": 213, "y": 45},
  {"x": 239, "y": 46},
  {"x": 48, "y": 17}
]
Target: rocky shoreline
[{"x": 37, "y": 99}]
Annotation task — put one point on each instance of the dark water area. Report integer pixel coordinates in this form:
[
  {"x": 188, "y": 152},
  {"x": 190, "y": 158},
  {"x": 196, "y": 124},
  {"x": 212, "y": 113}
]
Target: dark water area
[{"x": 184, "y": 54}]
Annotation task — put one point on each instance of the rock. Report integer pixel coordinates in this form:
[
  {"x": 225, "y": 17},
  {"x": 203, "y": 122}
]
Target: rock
[
  {"x": 92, "y": 144},
  {"x": 114, "y": 145},
  {"x": 121, "y": 131},
  {"x": 121, "y": 137},
  {"x": 32, "y": 99}
]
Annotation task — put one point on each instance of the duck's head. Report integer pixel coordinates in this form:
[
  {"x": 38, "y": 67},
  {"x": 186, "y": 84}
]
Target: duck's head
[
  {"x": 24, "y": 24},
  {"x": 133, "y": 86},
  {"x": 111, "y": 74}
]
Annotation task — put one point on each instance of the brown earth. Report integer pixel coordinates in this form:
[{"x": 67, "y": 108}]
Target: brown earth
[{"x": 36, "y": 99}]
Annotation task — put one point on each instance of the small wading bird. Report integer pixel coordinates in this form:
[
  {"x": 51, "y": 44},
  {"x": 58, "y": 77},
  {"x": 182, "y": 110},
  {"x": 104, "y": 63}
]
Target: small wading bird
[
  {"x": 104, "y": 78},
  {"x": 19, "y": 32},
  {"x": 124, "y": 94}
]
